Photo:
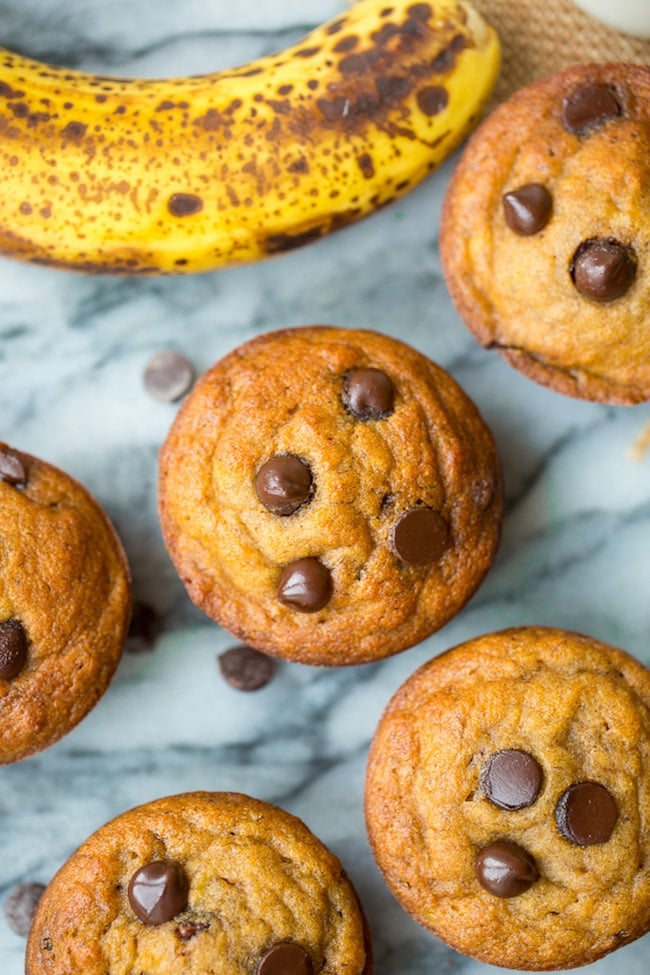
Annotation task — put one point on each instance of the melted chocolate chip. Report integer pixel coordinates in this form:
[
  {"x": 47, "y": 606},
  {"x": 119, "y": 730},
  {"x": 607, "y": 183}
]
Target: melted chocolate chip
[
  {"x": 527, "y": 209},
  {"x": 20, "y": 907},
  {"x": 419, "y": 536},
  {"x": 603, "y": 268},
  {"x": 246, "y": 668},
  {"x": 588, "y": 107},
  {"x": 186, "y": 930},
  {"x": 368, "y": 394},
  {"x": 158, "y": 892},
  {"x": 283, "y": 484},
  {"x": 512, "y": 779},
  {"x": 168, "y": 376},
  {"x": 13, "y": 649},
  {"x": 12, "y": 469},
  {"x": 505, "y": 869},
  {"x": 305, "y": 585},
  {"x": 285, "y": 958},
  {"x": 586, "y": 814}
]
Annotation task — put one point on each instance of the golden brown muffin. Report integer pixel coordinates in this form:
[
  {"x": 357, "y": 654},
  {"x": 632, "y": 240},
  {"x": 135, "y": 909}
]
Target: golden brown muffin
[
  {"x": 329, "y": 495},
  {"x": 196, "y": 883},
  {"x": 546, "y": 232},
  {"x": 65, "y": 600},
  {"x": 508, "y": 798}
]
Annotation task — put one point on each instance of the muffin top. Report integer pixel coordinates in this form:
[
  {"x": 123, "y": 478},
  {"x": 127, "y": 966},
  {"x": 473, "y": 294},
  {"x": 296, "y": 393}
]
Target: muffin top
[
  {"x": 65, "y": 600},
  {"x": 329, "y": 495},
  {"x": 507, "y": 798},
  {"x": 201, "y": 882},
  {"x": 546, "y": 232}
]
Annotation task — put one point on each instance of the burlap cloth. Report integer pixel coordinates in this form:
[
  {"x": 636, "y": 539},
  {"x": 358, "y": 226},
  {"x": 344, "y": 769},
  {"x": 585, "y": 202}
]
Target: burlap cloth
[{"x": 541, "y": 36}]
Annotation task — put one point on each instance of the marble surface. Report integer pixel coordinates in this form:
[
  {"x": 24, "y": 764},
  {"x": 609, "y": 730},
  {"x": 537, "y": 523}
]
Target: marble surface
[{"x": 576, "y": 543}]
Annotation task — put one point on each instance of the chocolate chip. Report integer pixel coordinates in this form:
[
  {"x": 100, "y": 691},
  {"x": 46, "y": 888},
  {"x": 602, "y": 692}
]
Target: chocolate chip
[
  {"x": 527, "y": 209},
  {"x": 20, "y": 907},
  {"x": 505, "y": 869},
  {"x": 186, "y": 930},
  {"x": 12, "y": 469},
  {"x": 419, "y": 536},
  {"x": 168, "y": 376},
  {"x": 305, "y": 585},
  {"x": 285, "y": 958},
  {"x": 158, "y": 892},
  {"x": 603, "y": 268},
  {"x": 144, "y": 629},
  {"x": 512, "y": 779},
  {"x": 246, "y": 668},
  {"x": 283, "y": 484},
  {"x": 368, "y": 394},
  {"x": 586, "y": 814},
  {"x": 588, "y": 107},
  {"x": 13, "y": 649}
]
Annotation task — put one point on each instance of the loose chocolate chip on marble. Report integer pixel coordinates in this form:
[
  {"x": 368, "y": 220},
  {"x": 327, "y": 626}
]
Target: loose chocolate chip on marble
[
  {"x": 168, "y": 376},
  {"x": 586, "y": 814},
  {"x": 419, "y": 536},
  {"x": 589, "y": 106},
  {"x": 13, "y": 649},
  {"x": 12, "y": 469},
  {"x": 368, "y": 394},
  {"x": 305, "y": 585},
  {"x": 158, "y": 892},
  {"x": 283, "y": 484},
  {"x": 603, "y": 268},
  {"x": 285, "y": 958},
  {"x": 246, "y": 668},
  {"x": 512, "y": 779},
  {"x": 21, "y": 905},
  {"x": 527, "y": 209},
  {"x": 144, "y": 629},
  {"x": 505, "y": 869}
]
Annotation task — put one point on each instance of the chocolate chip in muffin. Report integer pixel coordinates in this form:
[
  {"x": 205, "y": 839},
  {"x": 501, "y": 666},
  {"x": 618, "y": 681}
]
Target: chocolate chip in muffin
[
  {"x": 245, "y": 668},
  {"x": 285, "y": 958},
  {"x": 305, "y": 585},
  {"x": 505, "y": 869},
  {"x": 168, "y": 375},
  {"x": 186, "y": 930},
  {"x": 586, "y": 814},
  {"x": 369, "y": 394},
  {"x": 603, "y": 268},
  {"x": 12, "y": 469},
  {"x": 527, "y": 209},
  {"x": 158, "y": 892},
  {"x": 512, "y": 779},
  {"x": 419, "y": 536},
  {"x": 13, "y": 649},
  {"x": 588, "y": 107},
  {"x": 20, "y": 906},
  {"x": 284, "y": 483}
]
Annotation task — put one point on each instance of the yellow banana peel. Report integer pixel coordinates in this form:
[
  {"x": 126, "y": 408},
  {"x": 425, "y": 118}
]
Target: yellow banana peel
[{"x": 190, "y": 174}]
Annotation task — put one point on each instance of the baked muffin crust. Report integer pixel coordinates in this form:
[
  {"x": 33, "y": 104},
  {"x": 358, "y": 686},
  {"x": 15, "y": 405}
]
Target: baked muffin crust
[
  {"x": 539, "y": 862},
  {"x": 385, "y": 534},
  {"x": 563, "y": 296}
]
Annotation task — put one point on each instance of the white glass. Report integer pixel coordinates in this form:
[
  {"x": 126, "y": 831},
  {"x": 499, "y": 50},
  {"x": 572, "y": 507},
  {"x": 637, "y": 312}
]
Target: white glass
[{"x": 630, "y": 16}]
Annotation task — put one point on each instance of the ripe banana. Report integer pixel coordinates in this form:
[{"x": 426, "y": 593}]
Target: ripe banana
[{"x": 190, "y": 174}]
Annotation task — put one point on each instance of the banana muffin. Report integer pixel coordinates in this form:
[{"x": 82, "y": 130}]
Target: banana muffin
[
  {"x": 507, "y": 798},
  {"x": 329, "y": 495},
  {"x": 65, "y": 600},
  {"x": 546, "y": 232},
  {"x": 201, "y": 882}
]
